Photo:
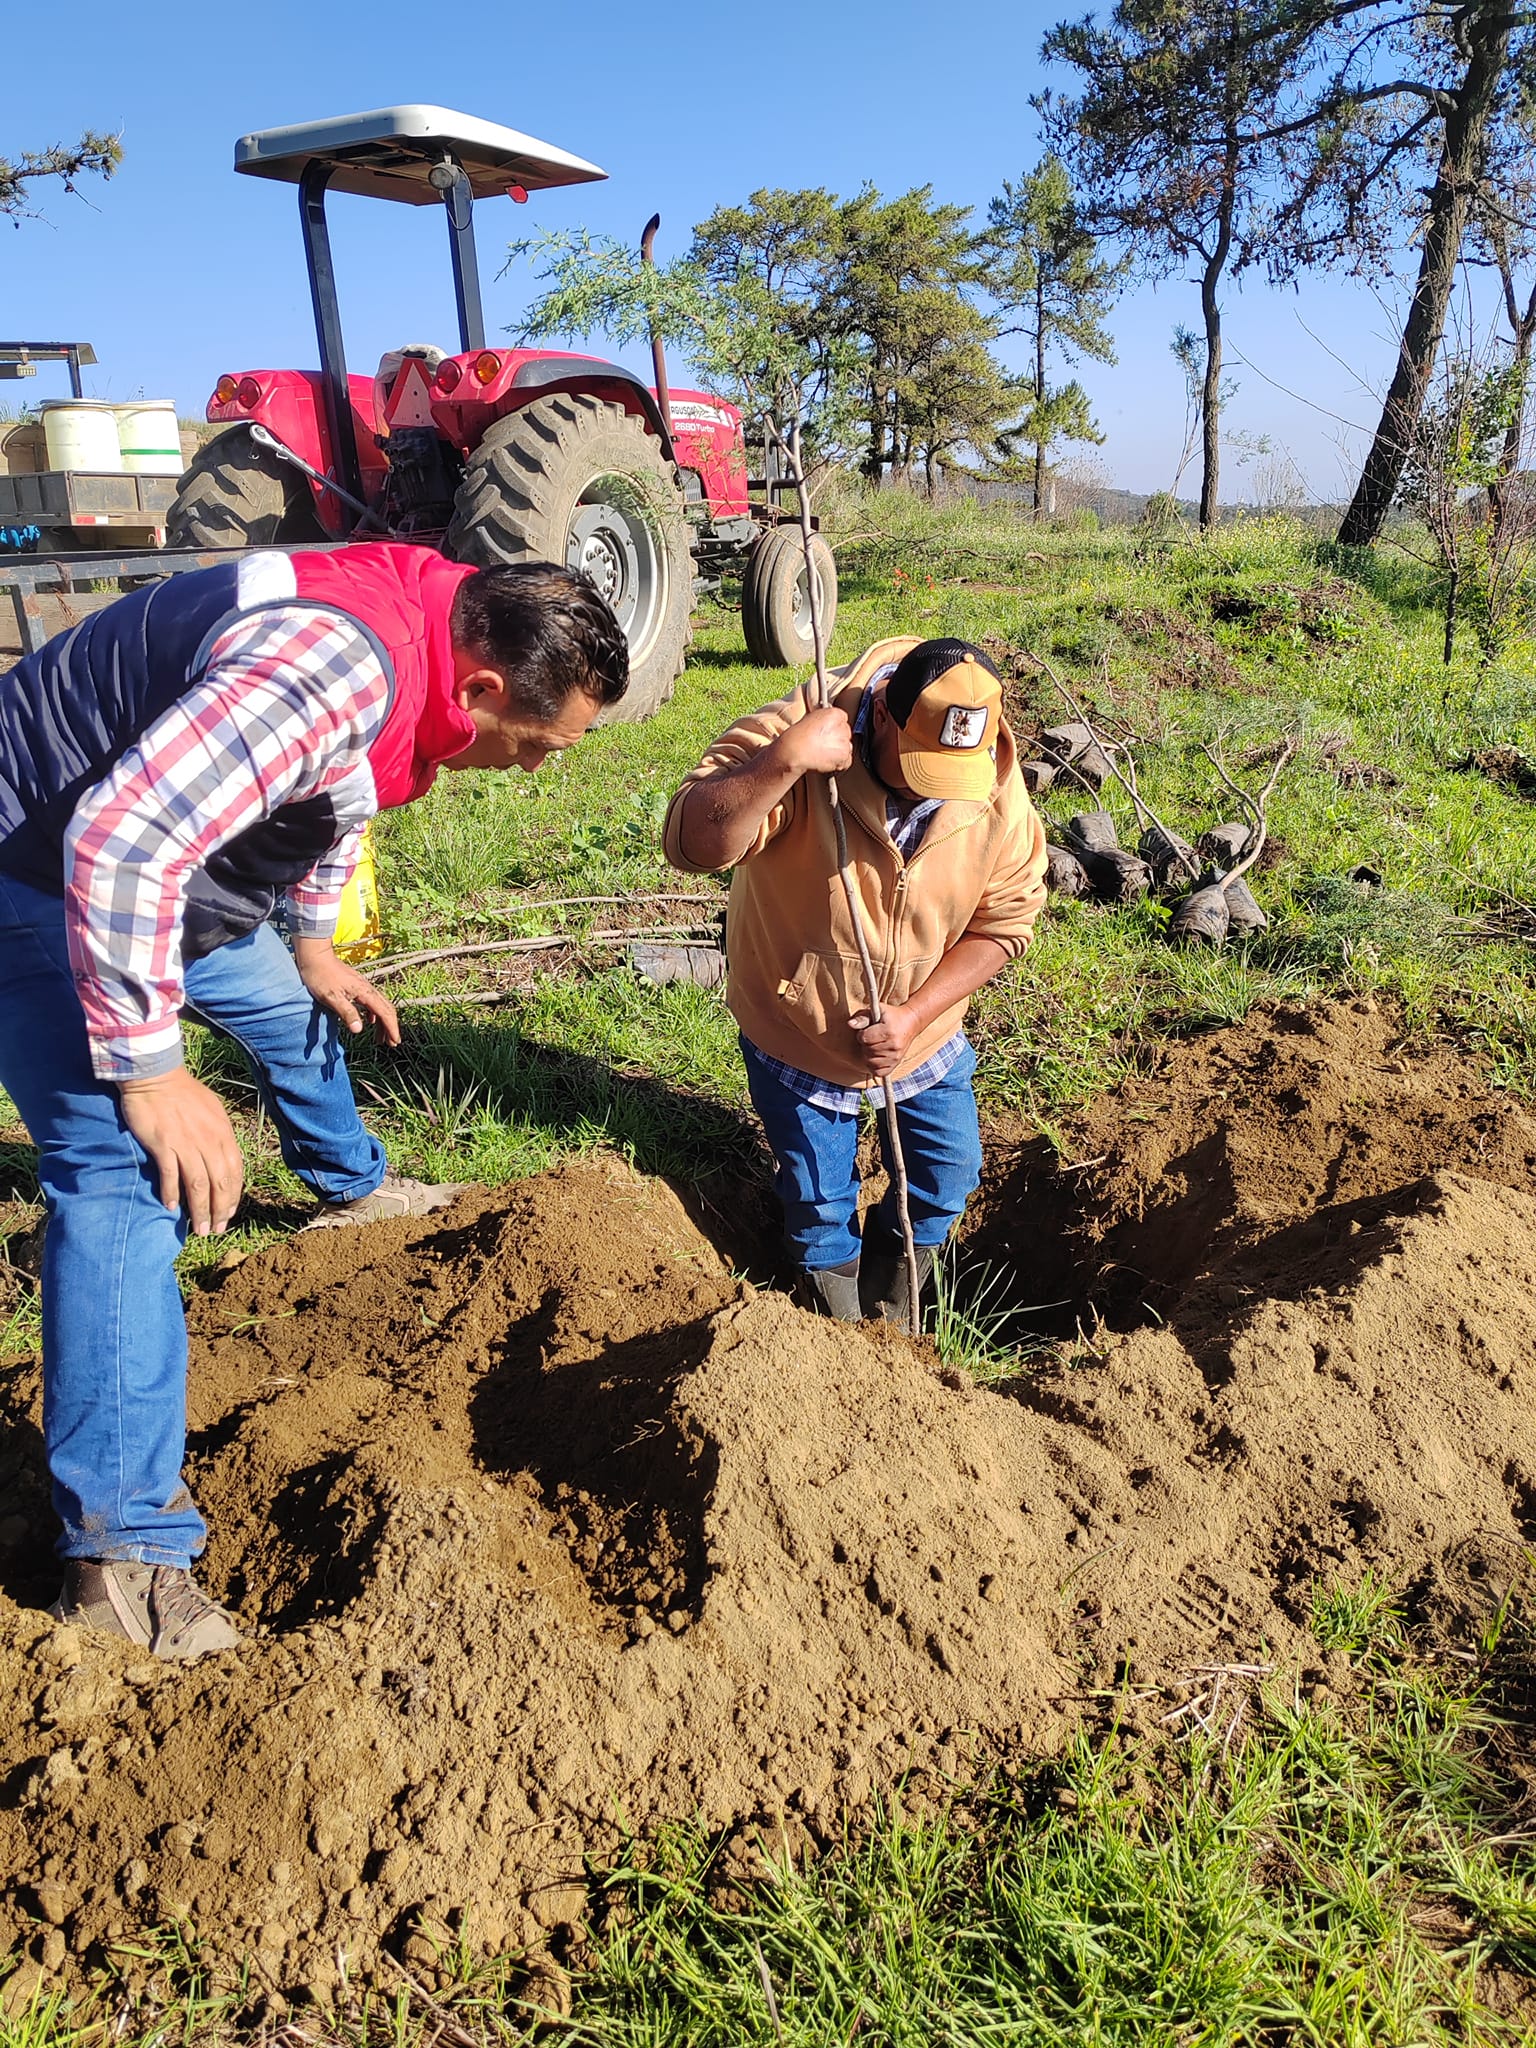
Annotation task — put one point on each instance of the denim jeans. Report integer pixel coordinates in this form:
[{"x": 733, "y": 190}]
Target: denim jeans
[
  {"x": 114, "y": 1338},
  {"x": 817, "y": 1154}
]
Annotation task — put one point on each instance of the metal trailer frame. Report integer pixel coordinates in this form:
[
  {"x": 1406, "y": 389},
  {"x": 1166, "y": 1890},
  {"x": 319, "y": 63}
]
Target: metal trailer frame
[
  {"x": 20, "y": 358},
  {"x": 31, "y": 579}
]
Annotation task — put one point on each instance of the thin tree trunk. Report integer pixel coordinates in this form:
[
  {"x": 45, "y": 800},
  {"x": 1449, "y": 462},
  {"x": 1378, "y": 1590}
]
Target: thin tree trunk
[
  {"x": 1210, "y": 278},
  {"x": 1039, "y": 384},
  {"x": 1523, "y": 329},
  {"x": 1461, "y": 162},
  {"x": 874, "y": 461},
  {"x": 1451, "y": 593},
  {"x": 1210, "y": 404}
]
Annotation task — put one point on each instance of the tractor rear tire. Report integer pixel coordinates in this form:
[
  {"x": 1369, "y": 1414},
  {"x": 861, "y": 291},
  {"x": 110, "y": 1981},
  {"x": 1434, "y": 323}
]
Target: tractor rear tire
[
  {"x": 236, "y": 495},
  {"x": 775, "y": 605},
  {"x": 579, "y": 481}
]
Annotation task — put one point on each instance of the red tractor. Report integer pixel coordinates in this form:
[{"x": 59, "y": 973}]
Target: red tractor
[{"x": 496, "y": 454}]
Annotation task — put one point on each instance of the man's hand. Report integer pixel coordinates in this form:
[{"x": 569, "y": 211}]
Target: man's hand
[
  {"x": 184, "y": 1128},
  {"x": 821, "y": 743},
  {"x": 885, "y": 1044},
  {"x": 342, "y": 990},
  {"x": 721, "y": 815}
]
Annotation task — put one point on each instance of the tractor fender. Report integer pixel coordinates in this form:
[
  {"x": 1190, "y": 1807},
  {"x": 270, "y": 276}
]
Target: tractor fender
[
  {"x": 291, "y": 405},
  {"x": 591, "y": 376}
]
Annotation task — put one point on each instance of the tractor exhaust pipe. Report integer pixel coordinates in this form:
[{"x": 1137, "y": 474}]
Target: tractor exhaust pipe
[{"x": 658, "y": 349}]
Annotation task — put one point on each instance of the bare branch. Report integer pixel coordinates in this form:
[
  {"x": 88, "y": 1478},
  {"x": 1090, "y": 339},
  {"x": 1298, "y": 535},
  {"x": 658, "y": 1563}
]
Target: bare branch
[{"x": 1145, "y": 815}]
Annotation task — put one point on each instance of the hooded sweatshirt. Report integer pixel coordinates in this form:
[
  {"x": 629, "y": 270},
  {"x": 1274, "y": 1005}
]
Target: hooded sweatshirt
[{"x": 794, "y": 973}]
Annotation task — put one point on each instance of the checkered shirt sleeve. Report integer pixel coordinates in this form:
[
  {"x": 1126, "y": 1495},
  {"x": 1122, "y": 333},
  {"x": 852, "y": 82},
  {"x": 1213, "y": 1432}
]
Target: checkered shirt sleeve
[
  {"x": 288, "y": 704},
  {"x": 845, "y": 1101}
]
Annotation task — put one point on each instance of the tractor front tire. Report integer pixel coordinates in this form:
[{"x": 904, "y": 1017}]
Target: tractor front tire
[
  {"x": 236, "y": 495},
  {"x": 775, "y": 604},
  {"x": 579, "y": 481}
]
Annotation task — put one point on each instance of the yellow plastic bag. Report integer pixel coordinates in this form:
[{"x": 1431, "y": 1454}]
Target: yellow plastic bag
[{"x": 359, "y": 928}]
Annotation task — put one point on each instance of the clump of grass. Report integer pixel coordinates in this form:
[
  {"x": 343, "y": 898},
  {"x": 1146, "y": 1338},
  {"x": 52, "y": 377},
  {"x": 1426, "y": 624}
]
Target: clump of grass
[
  {"x": 1334, "y": 1877},
  {"x": 975, "y": 1320},
  {"x": 1362, "y": 1620}
]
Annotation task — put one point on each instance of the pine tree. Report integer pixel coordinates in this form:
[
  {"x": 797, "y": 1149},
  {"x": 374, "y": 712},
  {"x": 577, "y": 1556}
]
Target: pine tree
[
  {"x": 93, "y": 155},
  {"x": 1045, "y": 268}
]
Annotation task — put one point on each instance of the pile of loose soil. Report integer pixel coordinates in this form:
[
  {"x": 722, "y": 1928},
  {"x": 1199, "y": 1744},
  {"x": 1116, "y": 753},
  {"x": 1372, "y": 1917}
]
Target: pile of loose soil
[
  {"x": 547, "y": 1528},
  {"x": 1272, "y": 1131},
  {"x": 1506, "y": 765}
]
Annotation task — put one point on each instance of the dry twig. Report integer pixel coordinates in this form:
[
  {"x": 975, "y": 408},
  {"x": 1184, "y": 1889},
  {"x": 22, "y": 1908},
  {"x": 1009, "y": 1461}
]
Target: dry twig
[
  {"x": 448, "y": 2027},
  {"x": 790, "y": 447}
]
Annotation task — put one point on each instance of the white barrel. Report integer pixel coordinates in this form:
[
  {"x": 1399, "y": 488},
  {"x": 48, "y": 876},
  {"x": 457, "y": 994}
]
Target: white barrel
[
  {"x": 81, "y": 433},
  {"x": 149, "y": 438}
]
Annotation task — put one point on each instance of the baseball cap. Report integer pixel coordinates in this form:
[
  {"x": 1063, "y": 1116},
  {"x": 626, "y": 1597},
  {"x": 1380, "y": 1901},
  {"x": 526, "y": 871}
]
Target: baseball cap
[{"x": 947, "y": 701}]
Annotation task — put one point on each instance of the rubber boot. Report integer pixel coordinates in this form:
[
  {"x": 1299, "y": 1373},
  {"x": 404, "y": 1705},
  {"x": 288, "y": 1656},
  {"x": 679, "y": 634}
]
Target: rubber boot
[
  {"x": 885, "y": 1289},
  {"x": 830, "y": 1290}
]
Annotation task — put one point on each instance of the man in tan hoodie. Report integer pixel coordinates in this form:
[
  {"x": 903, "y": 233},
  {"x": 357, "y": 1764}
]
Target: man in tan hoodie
[{"x": 948, "y": 859}]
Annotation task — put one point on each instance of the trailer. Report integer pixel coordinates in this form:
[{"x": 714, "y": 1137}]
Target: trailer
[{"x": 53, "y": 508}]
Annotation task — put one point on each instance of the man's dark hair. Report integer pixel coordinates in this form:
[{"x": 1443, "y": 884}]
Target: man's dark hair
[{"x": 547, "y": 629}]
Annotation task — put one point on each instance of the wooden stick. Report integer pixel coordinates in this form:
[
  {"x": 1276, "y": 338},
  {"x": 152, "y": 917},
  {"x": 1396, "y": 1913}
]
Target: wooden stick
[
  {"x": 791, "y": 448},
  {"x": 399, "y": 962}
]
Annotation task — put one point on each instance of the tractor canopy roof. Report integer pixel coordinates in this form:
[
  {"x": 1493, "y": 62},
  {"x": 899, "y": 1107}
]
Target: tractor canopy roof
[{"x": 389, "y": 153}]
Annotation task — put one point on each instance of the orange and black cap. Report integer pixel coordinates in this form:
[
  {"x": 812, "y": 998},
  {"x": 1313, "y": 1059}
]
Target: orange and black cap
[{"x": 947, "y": 701}]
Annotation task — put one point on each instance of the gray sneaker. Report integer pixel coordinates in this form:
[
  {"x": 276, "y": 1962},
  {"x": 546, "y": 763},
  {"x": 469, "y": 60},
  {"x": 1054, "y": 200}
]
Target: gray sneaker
[
  {"x": 394, "y": 1196},
  {"x": 156, "y": 1605}
]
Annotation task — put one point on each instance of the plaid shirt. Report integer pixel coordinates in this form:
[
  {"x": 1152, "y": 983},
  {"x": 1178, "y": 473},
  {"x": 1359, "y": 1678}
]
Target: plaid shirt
[
  {"x": 288, "y": 706},
  {"x": 845, "y": 1101},
  {"x": 906, "y": 819}
]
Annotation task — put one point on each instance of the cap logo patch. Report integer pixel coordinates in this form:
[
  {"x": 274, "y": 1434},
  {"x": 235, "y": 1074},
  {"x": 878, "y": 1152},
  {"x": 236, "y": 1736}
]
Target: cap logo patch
[{"x": 965, "y": 726}]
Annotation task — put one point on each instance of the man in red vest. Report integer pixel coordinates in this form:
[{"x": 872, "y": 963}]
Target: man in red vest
[{"x": 169, "y": 770}]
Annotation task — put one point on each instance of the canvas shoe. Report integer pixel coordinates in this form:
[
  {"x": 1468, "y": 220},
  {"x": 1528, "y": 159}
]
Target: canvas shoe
[
  {"x": 158, "y": 1606},
  {"x": 394, "y": 1196}
]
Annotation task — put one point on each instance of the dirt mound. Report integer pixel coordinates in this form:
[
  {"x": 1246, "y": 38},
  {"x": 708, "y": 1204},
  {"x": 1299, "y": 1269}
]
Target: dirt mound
[
  {"x": 1293, "y": 1117},
  {"x": 552, "y": 1529}
]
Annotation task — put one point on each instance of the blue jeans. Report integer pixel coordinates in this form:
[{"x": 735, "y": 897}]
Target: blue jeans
[
  {"x": 114, "y": 1338},
  {"x": 817, "y": 1154}
]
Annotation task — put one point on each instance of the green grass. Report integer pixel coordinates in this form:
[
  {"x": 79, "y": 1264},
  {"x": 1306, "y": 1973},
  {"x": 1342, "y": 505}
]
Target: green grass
[
  {"x": 1343, "y": 653},
  {"x": 1324, "y": 1865}
]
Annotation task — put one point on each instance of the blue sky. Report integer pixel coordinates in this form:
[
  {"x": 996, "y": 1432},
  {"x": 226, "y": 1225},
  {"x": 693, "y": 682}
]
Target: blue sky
[{"x": 179, "y": 270}]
